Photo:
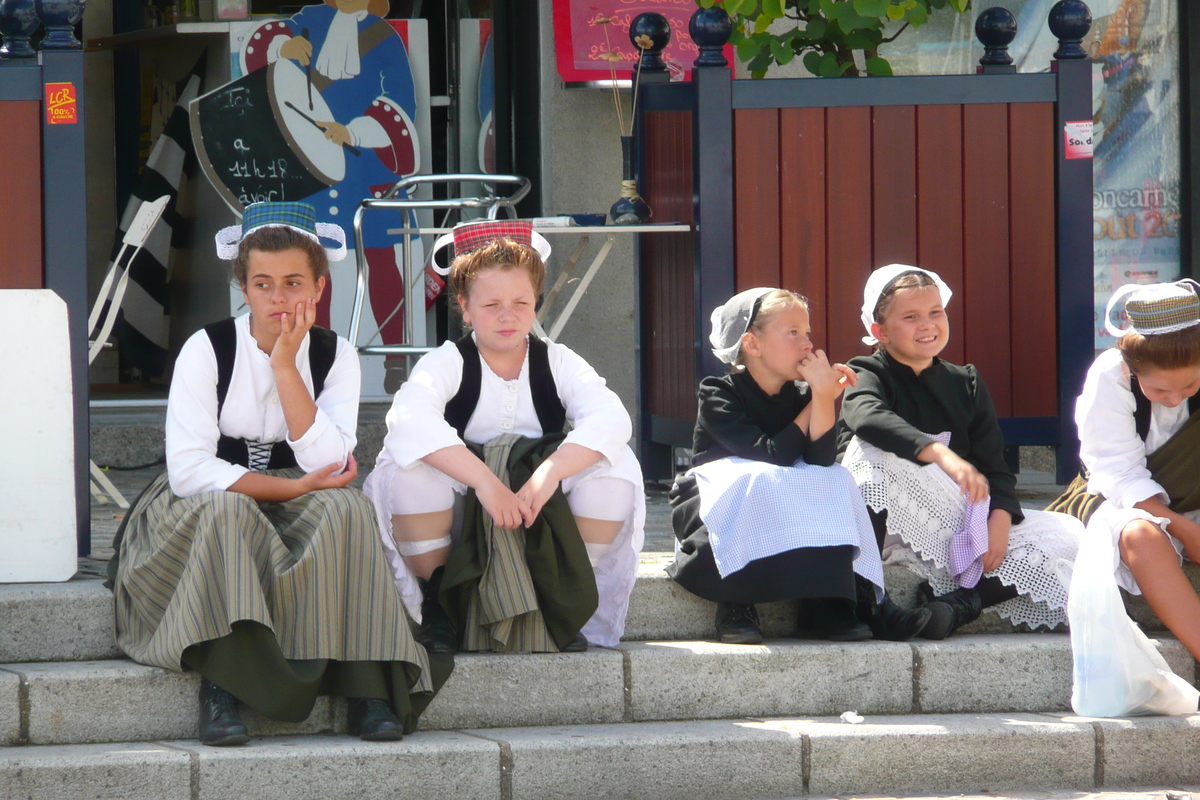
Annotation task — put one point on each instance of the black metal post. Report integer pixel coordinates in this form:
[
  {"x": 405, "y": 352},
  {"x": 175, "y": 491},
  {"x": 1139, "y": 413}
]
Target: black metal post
[
  {"x": 996, "y": 28},
  {"x": 712, "y": 176},
  {"x": 1189, "y": 136},
  {"x": 1070, "y": 21},
  {"x": 64, "y": 215}
]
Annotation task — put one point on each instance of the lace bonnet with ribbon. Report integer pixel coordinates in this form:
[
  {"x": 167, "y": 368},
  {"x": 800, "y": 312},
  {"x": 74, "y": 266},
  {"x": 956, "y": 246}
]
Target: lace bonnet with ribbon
[
  {"x": 300, "y": 217},
  {"x": 883, "y": 278},
  {"x": 468, "y": 236},
  {"x": 731, "y": 320},
  {"x": 1155, "y": 307}
]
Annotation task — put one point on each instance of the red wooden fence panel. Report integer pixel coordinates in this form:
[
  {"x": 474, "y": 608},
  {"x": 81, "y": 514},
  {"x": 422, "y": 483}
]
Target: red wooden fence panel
[
  {"x": 986, "y": 248},
  {"x": 894, "y": 166},
  {"x": 21, "y": 200},
  {"x": 668, "y": 344},
  {"x": 848, "y": 192},
  {"x": 756, "y": 193},
  {"x": 940, "y": 209},
  {"x": 802, "y": 211},
  {"x": 1031, "y": 237}
]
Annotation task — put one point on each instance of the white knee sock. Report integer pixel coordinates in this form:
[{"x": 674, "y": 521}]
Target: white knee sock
[
  {"x": 596, "y": 551},
  {"x": 422, "y": 546}
]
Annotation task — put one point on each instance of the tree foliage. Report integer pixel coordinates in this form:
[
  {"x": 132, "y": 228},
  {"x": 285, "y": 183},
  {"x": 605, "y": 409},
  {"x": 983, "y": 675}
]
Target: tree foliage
[{"x": 825, "y": 33}]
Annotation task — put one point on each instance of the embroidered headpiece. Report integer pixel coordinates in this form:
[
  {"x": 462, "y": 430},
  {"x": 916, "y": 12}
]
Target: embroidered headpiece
[
  {"x": 879, "y": 282},
  {"x": 1155, "y": 308},
  {"x": 468, "y": 236},
  {"x": 731, "y": 320},
  {"x": 300, "y": 217}
]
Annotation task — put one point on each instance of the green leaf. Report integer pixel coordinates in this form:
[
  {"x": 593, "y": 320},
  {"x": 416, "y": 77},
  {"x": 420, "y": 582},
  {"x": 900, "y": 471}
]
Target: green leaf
[
  {"x": 736, "y": 36},
  {"x": 960, "y": 5},
  {"x": 758, "y": 73},
  {"x": 918, "y": 16},
  {"x": 864, "y": 40},
  {"x": 895, "y": 13},
  {"x": 706, "y": 3},
  {"x": 772, "y": 8},
  {"x": 781, "y": 52},
  {"x": 879, "y": 67},
  {"x": 760, "y": 61},
  {"x": 830, "y": 68},
  {"x": 762, "y": 23},
  {"x": 812, "y": 62},
  {"x": 871, "y": 8},
  {"x": 747, "y": 49},
  {"x": 816, "y": 28}
]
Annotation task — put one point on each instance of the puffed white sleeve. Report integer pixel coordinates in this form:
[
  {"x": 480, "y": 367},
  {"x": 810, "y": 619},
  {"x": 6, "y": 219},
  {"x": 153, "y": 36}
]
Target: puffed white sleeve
[
  {"x": 334, "y": 431},
  {"x": 1110, "y": 447},
  {"x": 191, "y": 428},
  {"x": 416, "y": 422},
  {"x": 599, "y": 419}
]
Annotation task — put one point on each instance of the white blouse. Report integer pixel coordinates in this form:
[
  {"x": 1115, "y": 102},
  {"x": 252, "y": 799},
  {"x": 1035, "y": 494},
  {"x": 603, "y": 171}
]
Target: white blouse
[
  {"x": 417, "y": 426},
  {"x": 252, "y": 411},
  {"x": 1110, "y": 447}
]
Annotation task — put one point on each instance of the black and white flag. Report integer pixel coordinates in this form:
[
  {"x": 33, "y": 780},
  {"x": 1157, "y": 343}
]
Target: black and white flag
[{"x": 144, "y": 321}]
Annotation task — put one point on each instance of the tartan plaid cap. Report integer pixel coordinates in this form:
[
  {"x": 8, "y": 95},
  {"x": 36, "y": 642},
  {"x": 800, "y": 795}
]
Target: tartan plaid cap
[
  {"x": 300, "y": 217},
  {"x": 473, "y": 235},
  {"x": 1160, "y": 307}
]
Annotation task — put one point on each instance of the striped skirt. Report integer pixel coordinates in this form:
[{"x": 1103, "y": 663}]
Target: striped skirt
[{"x": 308, "y": 574}]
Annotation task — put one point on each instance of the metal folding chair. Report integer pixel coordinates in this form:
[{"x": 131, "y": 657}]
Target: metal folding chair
[
  {"x": 102, "y": 318},
  {"x": 491, "y": 202}
]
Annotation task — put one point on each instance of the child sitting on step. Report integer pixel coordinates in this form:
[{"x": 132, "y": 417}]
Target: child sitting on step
[
  {"x": 764, "y": 513},
  {"x": 511, "y": 505},
  {"x": 1139, "y": 434},
  {"x": 920, "y": 436}
]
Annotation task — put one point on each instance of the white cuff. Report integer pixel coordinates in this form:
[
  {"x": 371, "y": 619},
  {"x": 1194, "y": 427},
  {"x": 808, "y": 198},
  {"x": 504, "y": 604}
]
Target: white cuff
[
  {"x": 273, "y": 48},
  {"x": 1138, "y": 491},
  {"x": 367, "y": 132}
]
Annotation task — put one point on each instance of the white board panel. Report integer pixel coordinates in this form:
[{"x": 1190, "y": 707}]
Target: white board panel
[{"x": 37, "y": 470}]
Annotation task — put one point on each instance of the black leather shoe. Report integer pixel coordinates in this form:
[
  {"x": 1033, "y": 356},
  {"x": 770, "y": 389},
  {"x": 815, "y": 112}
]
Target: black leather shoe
[
  {"x": 437, "y": 634},
  {"x": 220, "y": 723},
  {"x": 951, "y": 611},
  {"x": 737, "y": 623},
  {"x": 831, "y": 619},
  {"x": 372, "y": 720},
  {"x": 893, "y": 623},
  {"x": 577, "y": 645}
]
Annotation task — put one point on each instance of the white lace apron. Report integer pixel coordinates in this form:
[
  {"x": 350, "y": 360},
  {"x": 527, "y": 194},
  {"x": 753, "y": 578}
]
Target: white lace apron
[{"x": 925, "y": 509}]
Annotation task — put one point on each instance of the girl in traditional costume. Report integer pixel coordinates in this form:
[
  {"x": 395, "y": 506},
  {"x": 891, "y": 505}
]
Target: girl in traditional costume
[
  {"x": 510, "y": 503},
  {"x": 920, "y": 436},
  {"x": 1139, "y": 439},
  {"x": 765, "y": 514},
  {"x": 250, "y": 560}
]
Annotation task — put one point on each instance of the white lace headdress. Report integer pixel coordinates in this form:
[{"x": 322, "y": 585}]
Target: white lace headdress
[
  {"x": 880, "y": 280},
  {"x": 730, "y": 322}
]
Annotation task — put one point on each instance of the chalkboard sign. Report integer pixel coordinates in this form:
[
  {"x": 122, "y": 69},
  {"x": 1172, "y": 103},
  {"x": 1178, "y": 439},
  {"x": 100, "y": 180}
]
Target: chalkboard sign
[
  {"x": 579, "y": 35},
  {"x": 257, "y": 138}
]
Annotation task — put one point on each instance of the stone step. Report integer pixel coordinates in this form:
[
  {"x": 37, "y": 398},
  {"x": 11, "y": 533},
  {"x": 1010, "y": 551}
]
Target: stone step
[
  {"x": 718, "y": 760},
  {"x": 49, "y": 703},
  {"x": 73, "y": 621}
]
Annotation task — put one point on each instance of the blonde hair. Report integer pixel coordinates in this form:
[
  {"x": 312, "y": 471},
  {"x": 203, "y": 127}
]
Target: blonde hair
[
  {"x": 1172, "y": 350},
  {"x": 498, "y": 254},
  {"x": 769, "y": 306}
]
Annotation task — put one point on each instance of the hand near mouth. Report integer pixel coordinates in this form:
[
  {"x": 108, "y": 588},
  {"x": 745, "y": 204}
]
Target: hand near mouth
[
  {"x": 825, "y": 379},
  {"x": 293, "y": 327}
]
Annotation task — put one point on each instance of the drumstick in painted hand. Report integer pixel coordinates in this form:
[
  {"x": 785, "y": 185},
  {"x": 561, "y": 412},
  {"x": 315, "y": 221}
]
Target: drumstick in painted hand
[
  {"x": 325, "y": 127},
  {"x": 307, "y": 70}
]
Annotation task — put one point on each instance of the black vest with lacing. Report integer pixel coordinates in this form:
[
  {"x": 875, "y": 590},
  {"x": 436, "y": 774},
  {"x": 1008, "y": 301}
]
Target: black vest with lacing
[
  {"x": 551, "y": 414},
  {"x": 258, "y": 456},
  {"x": 1141, "y": 409}
]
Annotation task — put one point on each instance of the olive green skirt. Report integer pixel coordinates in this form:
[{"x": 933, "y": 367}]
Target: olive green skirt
[{"x": 275, "y": 602}]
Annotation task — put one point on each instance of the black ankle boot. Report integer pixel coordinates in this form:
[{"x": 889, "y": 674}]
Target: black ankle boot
[
  {"x": 372, "y": 720},
  {"x": 830, "y": 618},
  {"x": 951, "y": 611},
  {"x": 437, "y": 632},
  {"x": 577, "y": 645},
  {"x": 220, "y": 723},
  {"x": 737, "y": 623},
  {"x": 887, "y": 620}
]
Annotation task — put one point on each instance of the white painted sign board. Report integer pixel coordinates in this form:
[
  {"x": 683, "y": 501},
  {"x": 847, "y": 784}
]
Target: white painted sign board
[{"x": 37, "y": 470}]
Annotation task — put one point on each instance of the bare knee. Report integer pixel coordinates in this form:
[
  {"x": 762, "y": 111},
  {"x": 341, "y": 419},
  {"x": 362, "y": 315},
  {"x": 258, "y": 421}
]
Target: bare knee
[{"x": 1142, "y": 539}]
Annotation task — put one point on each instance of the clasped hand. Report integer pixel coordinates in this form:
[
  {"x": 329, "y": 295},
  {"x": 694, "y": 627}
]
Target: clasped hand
[
  {"x": 825, "y": 379},
  {"x": 324, "y": 477},
  {"x": 511, "y": 509}
]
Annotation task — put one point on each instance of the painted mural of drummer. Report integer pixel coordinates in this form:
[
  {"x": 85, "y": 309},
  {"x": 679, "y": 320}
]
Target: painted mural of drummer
[{"x": 358, "y": 66}]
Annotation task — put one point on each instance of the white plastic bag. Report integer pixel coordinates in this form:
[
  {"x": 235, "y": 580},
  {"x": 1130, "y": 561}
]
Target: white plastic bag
[{"x": 1118, "y": 671}]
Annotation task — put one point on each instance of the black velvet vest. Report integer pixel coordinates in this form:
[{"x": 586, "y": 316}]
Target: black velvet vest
[{"x": 551, "y": 414}]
